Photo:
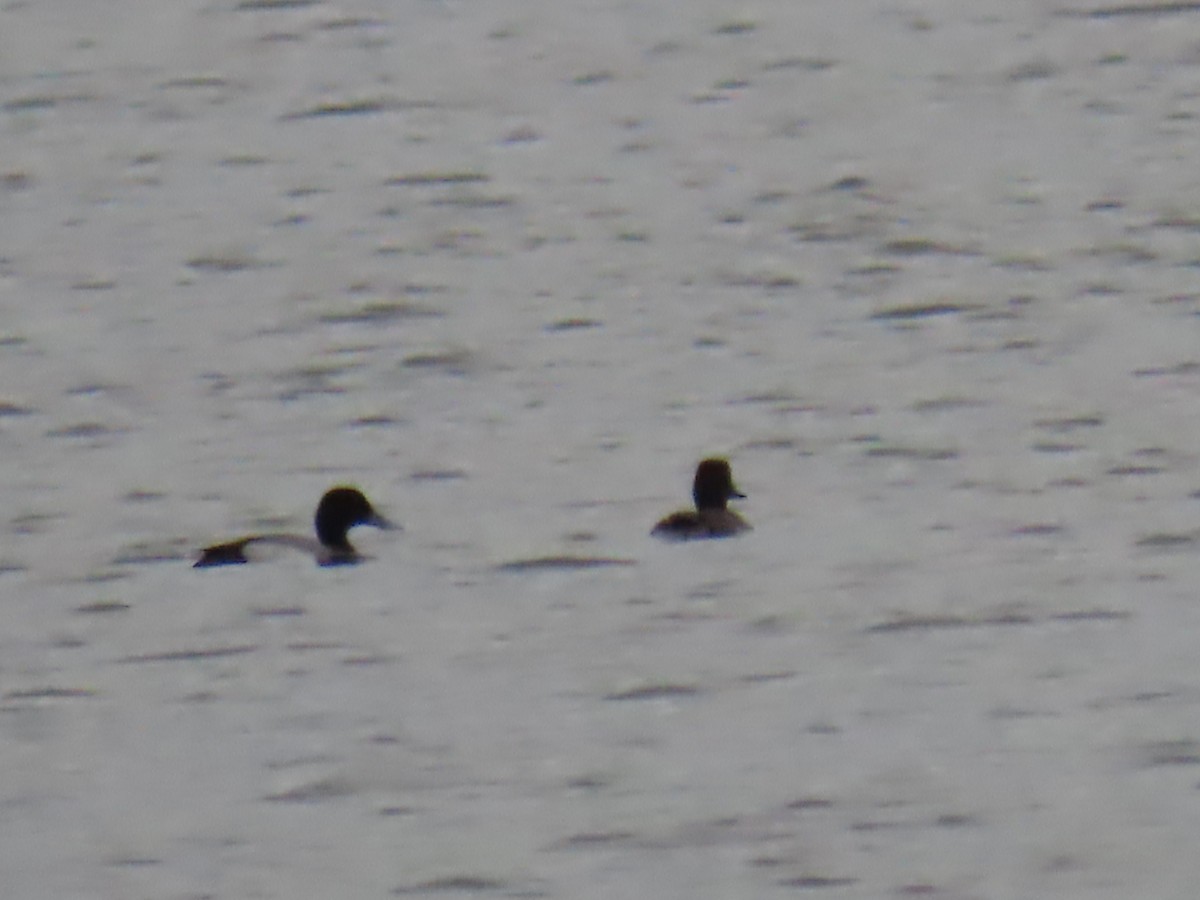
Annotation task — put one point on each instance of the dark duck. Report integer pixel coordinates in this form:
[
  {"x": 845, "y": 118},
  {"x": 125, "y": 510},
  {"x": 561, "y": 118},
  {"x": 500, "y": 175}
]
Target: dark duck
[{"x": 712, "y": 489}]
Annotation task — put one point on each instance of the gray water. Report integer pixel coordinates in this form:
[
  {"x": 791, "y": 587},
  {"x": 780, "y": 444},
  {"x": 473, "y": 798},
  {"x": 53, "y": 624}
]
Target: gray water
[{"x": 924, "y": 272}]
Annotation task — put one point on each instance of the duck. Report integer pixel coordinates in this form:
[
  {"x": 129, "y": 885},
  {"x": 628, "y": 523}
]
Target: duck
[
  {"x": 712, "y": 488},
  {"x": 341, "y": 508}
]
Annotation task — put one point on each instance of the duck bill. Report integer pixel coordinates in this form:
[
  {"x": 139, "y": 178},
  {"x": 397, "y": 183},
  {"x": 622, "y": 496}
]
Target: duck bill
[
  {"x": 735, "y": 494},
  {"x": 382, "y": 523}
]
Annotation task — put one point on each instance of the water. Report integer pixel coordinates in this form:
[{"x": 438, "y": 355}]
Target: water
[{"x": 924, "y": 275}]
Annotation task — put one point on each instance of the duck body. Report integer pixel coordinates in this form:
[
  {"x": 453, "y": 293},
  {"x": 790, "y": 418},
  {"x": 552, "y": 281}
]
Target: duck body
[
  {"x": 340, "y": 509},
  {"x": 712, "y": 489},
  {"x": 691, "y": 525}
]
